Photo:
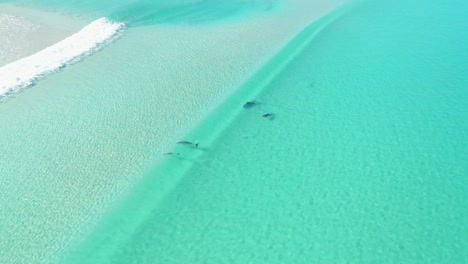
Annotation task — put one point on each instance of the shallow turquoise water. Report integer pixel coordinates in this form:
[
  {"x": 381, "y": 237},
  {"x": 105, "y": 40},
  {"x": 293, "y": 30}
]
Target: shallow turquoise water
[
  {"x": 77, "y": 141},
  {"x": 363, "y": 162},
  {"x": 150, "y": 12}
]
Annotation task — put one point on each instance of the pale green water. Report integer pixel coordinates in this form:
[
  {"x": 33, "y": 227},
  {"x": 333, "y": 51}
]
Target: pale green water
[
  {"x": 76, "y": 142},
  {"x": 364, "y": 162}
]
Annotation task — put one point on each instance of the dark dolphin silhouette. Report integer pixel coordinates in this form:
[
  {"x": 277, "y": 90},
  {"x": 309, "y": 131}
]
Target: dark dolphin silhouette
[
  {"x": 171, "y": 153},
  {"x": 268, "y": 115},
  {"x": 249, "y": 104},
  {"x": 183, "y": 142}
]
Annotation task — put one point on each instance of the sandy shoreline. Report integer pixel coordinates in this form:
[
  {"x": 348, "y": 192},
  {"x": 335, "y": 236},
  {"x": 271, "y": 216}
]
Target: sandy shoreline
[{"x": 26, "y": 31}]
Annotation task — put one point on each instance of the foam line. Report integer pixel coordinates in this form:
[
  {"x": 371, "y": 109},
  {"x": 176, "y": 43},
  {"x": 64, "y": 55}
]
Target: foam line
[{"x": 26, "y": 71}]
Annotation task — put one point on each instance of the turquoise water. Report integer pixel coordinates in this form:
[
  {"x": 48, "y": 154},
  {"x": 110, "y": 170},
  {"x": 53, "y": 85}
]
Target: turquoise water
[
  {"x": 363, "y": 162},
  {"x": 148, "y": 12},
  {"x": 77, "y": 142}
]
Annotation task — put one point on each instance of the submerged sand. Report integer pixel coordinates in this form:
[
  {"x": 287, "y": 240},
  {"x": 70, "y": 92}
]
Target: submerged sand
[{"x": 79, "y": 140}]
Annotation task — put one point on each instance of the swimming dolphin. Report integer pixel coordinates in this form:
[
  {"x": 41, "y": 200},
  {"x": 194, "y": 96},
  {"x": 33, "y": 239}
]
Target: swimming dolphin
[
  {"x": 249, "y": 104},
  {"x": 171, "y": 153},
  {"x": 268, "y": 115},
  {"x": 187, "y": 143}
]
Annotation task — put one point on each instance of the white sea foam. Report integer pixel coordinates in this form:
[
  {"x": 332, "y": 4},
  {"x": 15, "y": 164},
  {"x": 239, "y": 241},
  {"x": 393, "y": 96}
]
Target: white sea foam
[{"x": 24, "y": 72}]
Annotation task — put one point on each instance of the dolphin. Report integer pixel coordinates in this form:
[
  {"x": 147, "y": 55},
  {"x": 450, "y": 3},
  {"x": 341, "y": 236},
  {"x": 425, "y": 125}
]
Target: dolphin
[
  {"x": 249, "y": 104},
  {"x": 171, "y": 153},
  {"x": 183, "y": 142},
  {"x": 268, "y": 115}
]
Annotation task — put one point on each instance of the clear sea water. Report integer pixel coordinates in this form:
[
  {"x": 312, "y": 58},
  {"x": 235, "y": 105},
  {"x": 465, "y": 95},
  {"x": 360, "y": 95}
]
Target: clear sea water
[{"x": 364, "y": 159}]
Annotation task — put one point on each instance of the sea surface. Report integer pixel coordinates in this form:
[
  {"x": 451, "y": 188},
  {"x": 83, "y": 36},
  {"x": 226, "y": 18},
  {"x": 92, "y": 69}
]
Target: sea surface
[{"x": 362, "y": 157}]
